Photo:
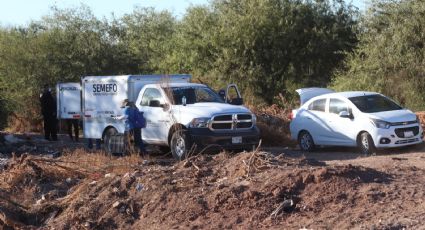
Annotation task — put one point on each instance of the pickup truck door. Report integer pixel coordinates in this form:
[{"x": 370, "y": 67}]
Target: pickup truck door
[
  {"x": 157, "y": 118},
  {"x": 233, "y": 96}
]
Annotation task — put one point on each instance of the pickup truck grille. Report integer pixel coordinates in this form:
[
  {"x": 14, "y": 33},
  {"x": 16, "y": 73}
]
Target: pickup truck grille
[{"x": 237, "y": 121}]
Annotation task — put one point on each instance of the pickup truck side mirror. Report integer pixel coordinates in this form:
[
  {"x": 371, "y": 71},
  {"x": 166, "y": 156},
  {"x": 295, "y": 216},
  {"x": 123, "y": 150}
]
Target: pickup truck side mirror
[{"x": 154, "y": 103}]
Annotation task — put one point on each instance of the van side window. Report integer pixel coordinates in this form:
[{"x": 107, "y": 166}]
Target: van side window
[
  {"x": 318, "y": 105},
  {"x": 149, "y": 95},
  {"x": 336, "y": 106}
]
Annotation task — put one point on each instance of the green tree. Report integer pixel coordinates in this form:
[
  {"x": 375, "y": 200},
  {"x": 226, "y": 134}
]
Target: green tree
[
  {"x": 148, "y": 35},
  {"x": 390, "y": 56},
  {"x": 267, "y": 47}
]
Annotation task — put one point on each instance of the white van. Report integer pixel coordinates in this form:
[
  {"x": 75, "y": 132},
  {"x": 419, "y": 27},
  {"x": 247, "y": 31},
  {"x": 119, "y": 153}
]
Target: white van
[{"x": 179, "y": 114}]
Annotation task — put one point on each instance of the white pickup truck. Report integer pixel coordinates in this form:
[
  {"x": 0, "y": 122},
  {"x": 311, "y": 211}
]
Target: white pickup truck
[{"x": 180, "y": 115}]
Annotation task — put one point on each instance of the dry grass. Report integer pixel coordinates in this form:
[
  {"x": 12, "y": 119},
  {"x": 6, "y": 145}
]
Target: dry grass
[
  {"x": 99, "y": 163},
  {"x": 273, "y": 123}
]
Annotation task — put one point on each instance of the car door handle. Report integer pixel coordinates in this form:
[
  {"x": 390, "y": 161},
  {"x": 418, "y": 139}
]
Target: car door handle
[{"x": 309, "y": 118}]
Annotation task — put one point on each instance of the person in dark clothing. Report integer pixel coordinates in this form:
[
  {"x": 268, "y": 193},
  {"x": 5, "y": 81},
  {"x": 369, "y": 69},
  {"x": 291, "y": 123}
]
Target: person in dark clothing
[
  {"x": 48, "y": 110},
  {"x": 73, "y": 123}
]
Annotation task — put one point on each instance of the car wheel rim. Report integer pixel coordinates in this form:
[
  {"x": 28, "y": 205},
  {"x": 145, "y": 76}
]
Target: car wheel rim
[
  {"x": 180, "y": 147},
  {"x": 365, "y": 143},
  {"x": 305, "y": 141}
]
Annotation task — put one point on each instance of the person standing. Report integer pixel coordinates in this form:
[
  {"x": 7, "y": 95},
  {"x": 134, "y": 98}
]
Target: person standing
[
  {"x": 48, "y": 110},
  {"x": 73, "y": 123},
  {"x": 137, "y": 131},
  {"x": 129, "y": 115}
]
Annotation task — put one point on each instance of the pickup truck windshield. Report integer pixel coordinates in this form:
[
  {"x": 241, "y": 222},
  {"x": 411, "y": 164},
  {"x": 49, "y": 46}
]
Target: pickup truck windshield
[
  {"x": 374, "y": 103},
  {"x": 193, "y": 95}
]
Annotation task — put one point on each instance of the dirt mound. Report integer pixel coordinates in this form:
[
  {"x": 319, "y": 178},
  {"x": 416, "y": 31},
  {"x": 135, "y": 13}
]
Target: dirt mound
[{"x": 247, "y": 190}]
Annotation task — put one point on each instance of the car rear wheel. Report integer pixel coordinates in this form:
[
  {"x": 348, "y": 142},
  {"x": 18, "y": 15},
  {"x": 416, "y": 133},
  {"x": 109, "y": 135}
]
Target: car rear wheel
[
  {"x": 365, "y": 144},
  {"x": 305, "y": 141}
]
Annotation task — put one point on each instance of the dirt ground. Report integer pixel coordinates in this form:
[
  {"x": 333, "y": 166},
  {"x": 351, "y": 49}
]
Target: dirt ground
[{"x": 61, "y": 185}]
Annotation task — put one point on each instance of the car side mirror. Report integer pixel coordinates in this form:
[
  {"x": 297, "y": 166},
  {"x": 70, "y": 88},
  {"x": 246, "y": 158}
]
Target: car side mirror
[
  {"x": 237, "y": 101},
  {"x": 154, "y": 103},
  {"x": 345, "y": 114}
]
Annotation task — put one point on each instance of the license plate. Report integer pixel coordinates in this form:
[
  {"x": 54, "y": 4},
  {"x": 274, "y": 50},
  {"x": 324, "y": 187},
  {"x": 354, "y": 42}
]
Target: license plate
[
  {"x": 408, "y": 134},
  {"x": 236, "y": 140}
]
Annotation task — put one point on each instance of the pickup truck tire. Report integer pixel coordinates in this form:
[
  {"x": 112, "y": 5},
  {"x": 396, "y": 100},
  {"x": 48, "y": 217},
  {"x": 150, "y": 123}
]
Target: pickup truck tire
[
  {"x": 107, "y": 140},
  {"x": 180, "y": 144}
]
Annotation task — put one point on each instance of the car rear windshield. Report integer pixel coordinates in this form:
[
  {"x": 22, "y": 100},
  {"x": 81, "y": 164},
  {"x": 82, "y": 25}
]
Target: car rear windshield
[
  {"x": 374, "y": 103},
  {"x": 193, "y": 95}
]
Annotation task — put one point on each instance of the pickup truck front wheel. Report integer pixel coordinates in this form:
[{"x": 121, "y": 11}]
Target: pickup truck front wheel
[{"x": 180, "y": 144}]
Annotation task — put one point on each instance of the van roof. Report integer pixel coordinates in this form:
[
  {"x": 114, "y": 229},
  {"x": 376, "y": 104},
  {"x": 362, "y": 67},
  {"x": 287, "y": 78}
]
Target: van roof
[
  {"x": 126, "y": 77},
  {"x": 181, "y": 84}
]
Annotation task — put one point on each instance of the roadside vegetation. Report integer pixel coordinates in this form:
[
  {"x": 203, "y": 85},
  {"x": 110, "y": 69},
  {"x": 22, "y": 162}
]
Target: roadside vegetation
[
  {"x": 269, "y": 48},
  {"x": 266, "y": 47}
]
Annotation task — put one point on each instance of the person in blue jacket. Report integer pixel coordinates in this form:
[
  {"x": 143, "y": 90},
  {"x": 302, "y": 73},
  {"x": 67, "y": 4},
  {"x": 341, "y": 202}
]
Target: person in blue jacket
[{"x": 128, "y": 115}]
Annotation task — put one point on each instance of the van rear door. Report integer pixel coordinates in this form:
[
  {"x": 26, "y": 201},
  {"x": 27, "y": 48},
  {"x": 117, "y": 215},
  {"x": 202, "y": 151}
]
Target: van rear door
[{"x": 68, "y": 97}]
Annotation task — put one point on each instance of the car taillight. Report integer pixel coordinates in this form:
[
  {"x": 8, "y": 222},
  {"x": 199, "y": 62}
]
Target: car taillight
[{"x": 291, "y": 115}]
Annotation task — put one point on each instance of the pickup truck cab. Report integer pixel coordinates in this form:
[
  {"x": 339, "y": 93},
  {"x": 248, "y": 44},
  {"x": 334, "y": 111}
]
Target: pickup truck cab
[{"x": 187, "y": 116}]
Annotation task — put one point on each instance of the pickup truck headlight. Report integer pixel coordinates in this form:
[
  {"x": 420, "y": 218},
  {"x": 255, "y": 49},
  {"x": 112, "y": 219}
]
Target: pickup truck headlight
[
  {"x": 380, "y": 123},
  {"x": 201, "y": 122}
]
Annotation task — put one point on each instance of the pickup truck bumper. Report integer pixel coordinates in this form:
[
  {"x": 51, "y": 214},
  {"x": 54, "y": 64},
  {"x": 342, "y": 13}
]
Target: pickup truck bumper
[{"x": 207, "y": 140}]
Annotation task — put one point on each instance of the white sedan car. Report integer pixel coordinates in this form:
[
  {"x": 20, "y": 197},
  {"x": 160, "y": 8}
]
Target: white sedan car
[{"x": 364, "y": 119}]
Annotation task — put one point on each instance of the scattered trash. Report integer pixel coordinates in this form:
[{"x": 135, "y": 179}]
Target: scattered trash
[
  {"x": 116, "y": 204},
  {"x": 139, "y": 187},
  {"x": 221, "y": 179},
  {"x": 68, "y": 180},
  {"x": 187, "y": 164},
  {"x": 93, "y": 182},
  {"x": 3, "y": 163},
  {"x": 54, "y": 154},
  {"x": 41, "y": 200},
  {"x": 108, "y": 175},
  {"x": 122, "y": 209},
  {"x": 11, "y": 139},
  {"x": 286, "y": 206}
]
